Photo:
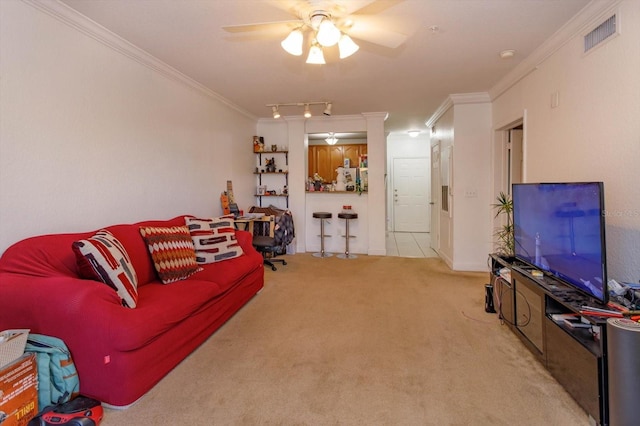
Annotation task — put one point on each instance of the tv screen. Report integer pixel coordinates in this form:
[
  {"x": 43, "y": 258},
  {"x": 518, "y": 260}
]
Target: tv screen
[{"x": 559, "y": 228}]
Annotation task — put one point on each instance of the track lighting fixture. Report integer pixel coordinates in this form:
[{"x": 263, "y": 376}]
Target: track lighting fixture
[{"x": 275, "y": 108}]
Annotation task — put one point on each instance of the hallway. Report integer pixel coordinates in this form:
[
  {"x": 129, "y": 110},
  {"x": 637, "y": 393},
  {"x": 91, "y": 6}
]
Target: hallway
[{"x": 409, "y": 244}]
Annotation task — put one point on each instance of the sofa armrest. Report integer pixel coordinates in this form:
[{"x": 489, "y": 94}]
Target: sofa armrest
[
  {"x": 55, "y": 305},
  {"x": 245, "y": 240}
]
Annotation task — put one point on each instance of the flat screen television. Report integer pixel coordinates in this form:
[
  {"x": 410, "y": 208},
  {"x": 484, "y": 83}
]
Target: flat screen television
[{"x": 559, "y": 229}]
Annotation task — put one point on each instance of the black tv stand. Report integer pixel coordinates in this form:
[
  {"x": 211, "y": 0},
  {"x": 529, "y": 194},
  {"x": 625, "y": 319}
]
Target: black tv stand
[{"x": 576, "y": 357}]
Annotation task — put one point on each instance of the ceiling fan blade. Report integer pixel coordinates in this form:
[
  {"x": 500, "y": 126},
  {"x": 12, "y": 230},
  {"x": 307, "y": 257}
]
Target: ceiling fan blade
[
  {"x": 262, "y": 26},
  {"x": 374, "y": 32},
  {"x": 370, "y": 7}
]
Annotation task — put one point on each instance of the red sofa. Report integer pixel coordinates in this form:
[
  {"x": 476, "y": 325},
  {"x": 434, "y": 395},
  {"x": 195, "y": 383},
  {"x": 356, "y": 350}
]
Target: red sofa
[{"x": 121, "y": 353}]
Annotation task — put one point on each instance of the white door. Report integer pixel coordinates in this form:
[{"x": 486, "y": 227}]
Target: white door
[
  {"x": 411, "y": 194},
  {"x": 435, "y": 199}
]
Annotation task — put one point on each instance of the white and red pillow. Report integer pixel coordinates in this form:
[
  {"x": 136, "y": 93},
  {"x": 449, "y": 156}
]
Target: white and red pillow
[
  {"x": 214, "y": 239},
  {"x": 103, "y": 258}
]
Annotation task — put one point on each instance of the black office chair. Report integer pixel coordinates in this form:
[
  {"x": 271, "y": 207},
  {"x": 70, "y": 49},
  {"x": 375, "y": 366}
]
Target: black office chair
[{"x": 263, "y": 231}]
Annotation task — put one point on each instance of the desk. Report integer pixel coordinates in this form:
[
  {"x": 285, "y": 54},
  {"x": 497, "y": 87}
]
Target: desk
[{"x": 242, "y": 223}]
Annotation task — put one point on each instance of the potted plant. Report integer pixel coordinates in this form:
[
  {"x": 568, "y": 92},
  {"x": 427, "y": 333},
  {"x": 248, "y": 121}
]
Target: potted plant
[{"x": 505, "y": 242}]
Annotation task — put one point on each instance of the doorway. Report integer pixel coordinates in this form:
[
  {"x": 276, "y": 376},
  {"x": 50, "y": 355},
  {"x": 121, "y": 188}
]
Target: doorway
[
  {"x": 411, "y": 195},
  {"x": 435, "y": 199},
  {"x": 515, "y": 157}
]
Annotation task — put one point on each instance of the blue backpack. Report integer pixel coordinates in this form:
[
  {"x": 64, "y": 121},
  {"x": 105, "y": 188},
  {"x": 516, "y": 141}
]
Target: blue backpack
[{"x": 58, "y": 380}]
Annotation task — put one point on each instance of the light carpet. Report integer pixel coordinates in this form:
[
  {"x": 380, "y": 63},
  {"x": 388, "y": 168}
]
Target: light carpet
[{"x": 367, "y": 341}]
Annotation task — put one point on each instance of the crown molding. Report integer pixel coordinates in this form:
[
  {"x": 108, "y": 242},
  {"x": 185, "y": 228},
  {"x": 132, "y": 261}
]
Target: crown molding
[
  {"x": 572, "y": 28},
  {"x": 470, "y": 98},
  {"x": 81, "y": 23},
  {"x": 439, "y": 112},
  {"x": 457, "y": 99}
]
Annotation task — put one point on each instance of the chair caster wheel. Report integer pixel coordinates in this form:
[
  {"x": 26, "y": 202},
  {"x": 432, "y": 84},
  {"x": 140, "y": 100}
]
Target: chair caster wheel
[
  {"x": 273, "y": 268},
  {"x": 284, "y": 263}
]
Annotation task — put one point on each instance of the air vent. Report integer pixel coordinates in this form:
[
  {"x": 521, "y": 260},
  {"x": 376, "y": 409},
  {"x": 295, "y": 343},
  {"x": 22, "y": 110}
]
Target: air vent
[{"x": 600, "y": 34}]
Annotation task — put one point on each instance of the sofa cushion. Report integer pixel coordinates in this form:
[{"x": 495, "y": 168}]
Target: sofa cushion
[
  {"x": 214, "y": 239},
  {"x": 103, "y": 258},
  {"x": 172, "y": 252},
  {"x": 129, "y": 236}
]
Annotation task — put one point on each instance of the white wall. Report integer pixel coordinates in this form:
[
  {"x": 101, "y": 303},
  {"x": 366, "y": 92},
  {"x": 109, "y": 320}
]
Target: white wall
[
  {"x": 90, "y": 136},
  {"x": 472, "y": 196},
  {"x": 463, "y": 130},
  {"x": 594, "y": 133}
]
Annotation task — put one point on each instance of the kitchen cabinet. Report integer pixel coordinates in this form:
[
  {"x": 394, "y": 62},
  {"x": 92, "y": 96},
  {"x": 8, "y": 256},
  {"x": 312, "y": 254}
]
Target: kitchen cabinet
[{"x": 325, "y": 159}]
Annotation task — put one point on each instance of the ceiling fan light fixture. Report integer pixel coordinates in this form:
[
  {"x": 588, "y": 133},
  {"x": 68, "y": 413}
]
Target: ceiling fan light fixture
[
  {"x": 315, "y": 55},
  {"x": 307, "y": 111},
  {"x": 328, "y": 34},
  {"x": 347, "y": 46},
  {"x": 276, "y": 113},
  {"x": 293, "y": 43},
  {"x": 331, "y": 140}
]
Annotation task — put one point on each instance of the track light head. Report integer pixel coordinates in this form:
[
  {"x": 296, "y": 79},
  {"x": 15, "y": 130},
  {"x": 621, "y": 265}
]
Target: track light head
[
  {"x": 307, "y": 111},
  {"x": 327, "y": 109},
  {"x": 276, "y": 113}
]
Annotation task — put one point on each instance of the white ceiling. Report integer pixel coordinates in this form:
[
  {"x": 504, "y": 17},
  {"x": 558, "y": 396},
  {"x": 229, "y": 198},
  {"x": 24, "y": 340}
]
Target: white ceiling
[{"x": 251, "y": 69}]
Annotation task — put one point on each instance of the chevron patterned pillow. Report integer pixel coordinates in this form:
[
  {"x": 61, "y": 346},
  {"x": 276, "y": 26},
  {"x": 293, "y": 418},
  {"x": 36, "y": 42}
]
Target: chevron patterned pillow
[{"x": 172, "y": 252}]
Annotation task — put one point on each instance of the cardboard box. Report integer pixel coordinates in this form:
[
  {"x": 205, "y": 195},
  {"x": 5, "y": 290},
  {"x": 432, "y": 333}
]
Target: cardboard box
[{"x": 19, "y": 391}]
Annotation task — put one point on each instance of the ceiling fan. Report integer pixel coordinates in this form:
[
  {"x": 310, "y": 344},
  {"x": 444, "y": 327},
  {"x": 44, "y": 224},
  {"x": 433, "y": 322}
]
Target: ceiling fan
[{"x": 326, "y": 23}]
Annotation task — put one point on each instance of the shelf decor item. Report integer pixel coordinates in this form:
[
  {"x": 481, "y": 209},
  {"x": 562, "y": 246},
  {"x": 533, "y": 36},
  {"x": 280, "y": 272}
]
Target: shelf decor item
[
  {"x": 258, "y": 144},
  {"x": 270, "y": 165}
]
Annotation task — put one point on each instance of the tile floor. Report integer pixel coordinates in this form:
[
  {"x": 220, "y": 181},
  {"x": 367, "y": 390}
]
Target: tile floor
[{"x": 409, "y": 244}]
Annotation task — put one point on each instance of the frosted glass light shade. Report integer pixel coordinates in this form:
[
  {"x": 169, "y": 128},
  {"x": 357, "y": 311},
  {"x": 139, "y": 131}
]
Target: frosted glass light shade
[
  {"x": 293, "y": 43},
  {"x": 347, "y": 46},
  {"x": 331, "y": 140},
  {"x": 315, "y": 55},
  {"x": 328, "y": 33}
]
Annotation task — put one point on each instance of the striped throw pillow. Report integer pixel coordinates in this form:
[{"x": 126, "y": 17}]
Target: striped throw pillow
[
  {"x": 172, "y": 252},
  {"x": 103, "y": 258},
  {"x": 214, "y": 239}
]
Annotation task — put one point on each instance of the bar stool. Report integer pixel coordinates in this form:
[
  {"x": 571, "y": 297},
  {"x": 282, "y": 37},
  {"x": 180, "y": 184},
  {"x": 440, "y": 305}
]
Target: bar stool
[
  {"x": 322, "y": 216},
  {"x": 347, "y": 217}
]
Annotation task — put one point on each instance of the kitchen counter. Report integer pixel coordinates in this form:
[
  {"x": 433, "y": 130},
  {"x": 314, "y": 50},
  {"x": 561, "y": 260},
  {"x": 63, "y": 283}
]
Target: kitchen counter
[{"x": 332, "y": 202}]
